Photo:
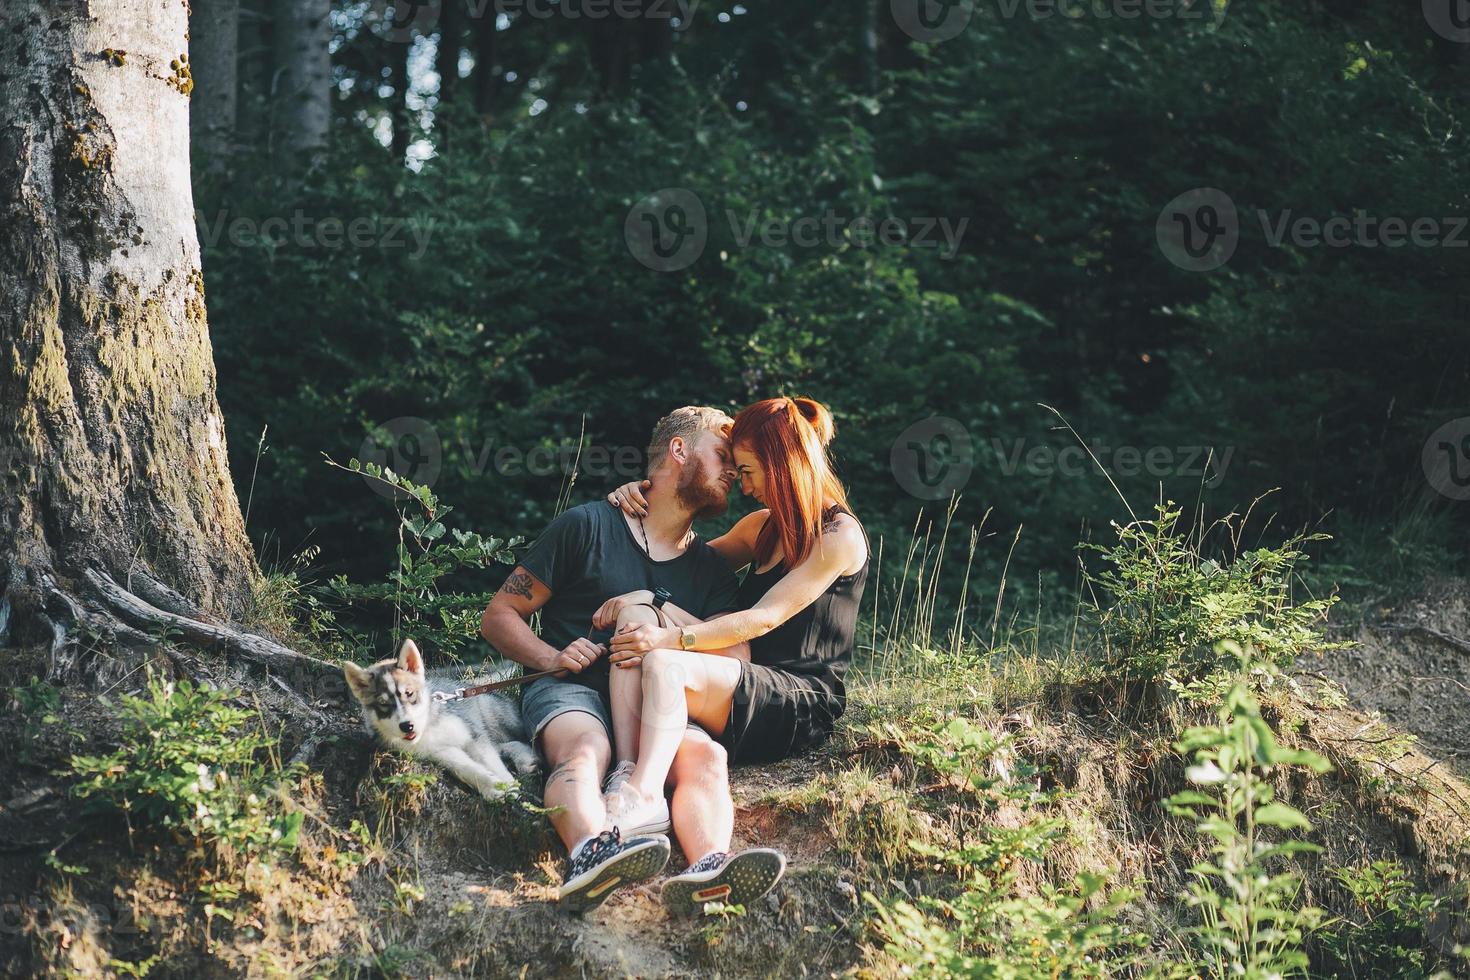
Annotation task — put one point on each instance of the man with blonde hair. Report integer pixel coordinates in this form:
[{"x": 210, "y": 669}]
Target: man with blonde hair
[{"x": 585, "y": 556}]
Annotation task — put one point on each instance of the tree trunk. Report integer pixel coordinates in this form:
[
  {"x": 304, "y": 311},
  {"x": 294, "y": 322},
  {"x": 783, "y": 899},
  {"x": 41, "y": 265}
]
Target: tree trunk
[
  {"x": 451, "y": 40},
  {"x": 303, "y": 33},
  {"x": 114, "y": 449},
  {"x": 253, "y": 72},
  {"x": 485, "y": 77},
  {"x": 398, "y": 106},
  {"x": 214, "y": 50}
]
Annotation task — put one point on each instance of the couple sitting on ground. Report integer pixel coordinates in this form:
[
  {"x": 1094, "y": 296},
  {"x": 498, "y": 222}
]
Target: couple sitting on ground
[{"x": 671, "y": 661}]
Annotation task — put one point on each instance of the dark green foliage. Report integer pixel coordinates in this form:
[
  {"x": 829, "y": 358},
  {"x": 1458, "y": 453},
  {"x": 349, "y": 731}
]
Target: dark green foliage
[{"x": 522, "y": 322}]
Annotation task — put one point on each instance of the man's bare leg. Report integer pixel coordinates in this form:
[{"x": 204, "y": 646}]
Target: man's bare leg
[
  {"x": 576, "y": 749},
  {"x": 703, "y": 810}
]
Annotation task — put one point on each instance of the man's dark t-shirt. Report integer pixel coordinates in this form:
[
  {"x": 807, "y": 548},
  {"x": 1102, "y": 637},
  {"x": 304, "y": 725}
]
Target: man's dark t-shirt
[{"x": 589, "y": 554}]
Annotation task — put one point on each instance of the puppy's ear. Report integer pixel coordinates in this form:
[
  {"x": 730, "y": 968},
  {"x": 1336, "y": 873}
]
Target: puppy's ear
[
  {"x": 359, "y": 681},
  {"x": 409, "y": 658}
]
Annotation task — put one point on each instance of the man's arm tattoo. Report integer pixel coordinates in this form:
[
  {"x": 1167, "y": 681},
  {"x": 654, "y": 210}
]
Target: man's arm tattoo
[{"x": 519, "y": 584}]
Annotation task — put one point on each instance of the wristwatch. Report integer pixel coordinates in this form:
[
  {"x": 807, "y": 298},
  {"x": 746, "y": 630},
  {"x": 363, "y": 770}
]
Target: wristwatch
[
  {"x": 686, "y": 640},
  {"x": 661, "y": 596}
]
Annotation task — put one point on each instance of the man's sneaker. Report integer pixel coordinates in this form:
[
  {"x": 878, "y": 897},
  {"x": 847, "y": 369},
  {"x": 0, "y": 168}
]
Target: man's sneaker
[
  {"x": 607, "y": 862},
  {"x": 632, "y": 813},
  {"x": 718, "y": 877},
  {"x": 620, "y": 775}
]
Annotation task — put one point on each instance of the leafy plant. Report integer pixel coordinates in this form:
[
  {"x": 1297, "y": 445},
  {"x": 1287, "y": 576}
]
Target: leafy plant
[
  {"x": 1252, "y": 927},
  {"x": 1385, "y": 936},
  {"x": 191, "y": 761},
  {"x": 1170, "y": 605},
  {"x": 447, "y": 621}
]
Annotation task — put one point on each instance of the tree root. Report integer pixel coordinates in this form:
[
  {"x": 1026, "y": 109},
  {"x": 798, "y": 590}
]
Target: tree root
[{"x": 244, "y": 646}]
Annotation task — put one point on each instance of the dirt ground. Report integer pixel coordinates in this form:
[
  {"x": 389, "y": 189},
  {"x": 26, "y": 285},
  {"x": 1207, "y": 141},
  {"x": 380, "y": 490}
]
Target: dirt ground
[{"x": 1411, "y": 665}]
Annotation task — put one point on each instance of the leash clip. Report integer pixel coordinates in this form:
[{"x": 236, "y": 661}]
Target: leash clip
[{"x": 442, "y": 696}]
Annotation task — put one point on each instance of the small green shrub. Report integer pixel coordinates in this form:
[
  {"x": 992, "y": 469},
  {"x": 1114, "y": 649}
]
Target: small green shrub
[
  {"x": 446, "y": 622},
  {"x": 1385, "y": 936},
  {"x": 1252, "y": 927},
  {"x": 193, "y": 762},
  {"x": 1170, "y": 605}
]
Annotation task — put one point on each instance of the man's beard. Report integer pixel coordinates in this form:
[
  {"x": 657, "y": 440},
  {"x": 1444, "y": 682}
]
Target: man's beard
[{"x": 701, "y": 495}]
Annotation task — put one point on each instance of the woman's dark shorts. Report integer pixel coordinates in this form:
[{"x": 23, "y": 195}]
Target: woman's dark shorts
[{"x": 775, "y": 714}]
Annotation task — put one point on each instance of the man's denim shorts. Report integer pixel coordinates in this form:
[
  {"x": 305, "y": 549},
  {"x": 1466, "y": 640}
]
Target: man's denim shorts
[{"x": 548, "y": 697}]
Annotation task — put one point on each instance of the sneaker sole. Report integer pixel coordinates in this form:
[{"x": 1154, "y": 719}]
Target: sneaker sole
[
  {"x": 638, "y": 863},
  {"x": 744, "y": 878}
]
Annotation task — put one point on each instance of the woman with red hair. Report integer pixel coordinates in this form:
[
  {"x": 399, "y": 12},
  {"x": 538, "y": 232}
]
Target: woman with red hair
[{"x": 765, "y": 681}]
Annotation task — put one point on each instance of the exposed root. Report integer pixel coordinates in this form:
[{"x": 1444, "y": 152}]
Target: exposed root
[
  {"x": 148, "y": 588},
  {"x": 246, "y": 646}
]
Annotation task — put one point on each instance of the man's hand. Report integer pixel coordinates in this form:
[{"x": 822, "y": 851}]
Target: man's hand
[
  {"x": 631, "y": 642},
  {"x": 607, "y": 614},
  {"x": 580, "y": 654}
]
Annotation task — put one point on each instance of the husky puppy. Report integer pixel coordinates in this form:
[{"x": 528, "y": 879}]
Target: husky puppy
[{"x": 466, "y": 737}]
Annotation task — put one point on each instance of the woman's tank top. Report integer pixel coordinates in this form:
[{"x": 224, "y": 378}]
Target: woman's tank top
[{"x": 818, "y": 641}]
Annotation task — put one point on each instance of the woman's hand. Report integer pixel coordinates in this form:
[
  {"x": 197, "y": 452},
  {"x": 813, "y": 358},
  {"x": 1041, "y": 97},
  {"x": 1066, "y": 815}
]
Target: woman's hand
[
  {"x": 630, "y": 643},
  {"x": 607, "y": 614},
  {"x": 629, "y": 498}
]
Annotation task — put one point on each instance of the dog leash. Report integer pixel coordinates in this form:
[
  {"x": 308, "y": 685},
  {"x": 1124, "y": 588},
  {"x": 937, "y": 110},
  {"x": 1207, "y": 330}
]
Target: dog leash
[{"x": 460, "y": 693}]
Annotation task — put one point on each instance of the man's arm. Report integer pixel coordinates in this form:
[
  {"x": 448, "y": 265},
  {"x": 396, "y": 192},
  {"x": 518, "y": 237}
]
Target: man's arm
[{"x": 505, "y": 624}]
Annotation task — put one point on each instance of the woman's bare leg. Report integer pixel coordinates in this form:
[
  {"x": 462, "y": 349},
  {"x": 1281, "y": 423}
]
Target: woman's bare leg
[
  {"x": 625, "y": 693},
  {"x": 679, "y": 687}
]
